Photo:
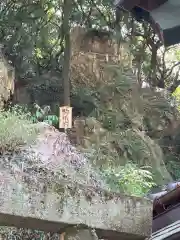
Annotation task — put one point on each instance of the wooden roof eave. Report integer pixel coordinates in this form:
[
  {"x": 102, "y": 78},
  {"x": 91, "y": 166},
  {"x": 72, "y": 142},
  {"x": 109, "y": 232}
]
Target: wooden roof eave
[
  {"x": 171, "y": 231},
  {"x": 147, "y": 5}
]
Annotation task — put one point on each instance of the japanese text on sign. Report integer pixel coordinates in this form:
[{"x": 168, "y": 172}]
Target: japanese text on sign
[{"x": 65, "y": 120}]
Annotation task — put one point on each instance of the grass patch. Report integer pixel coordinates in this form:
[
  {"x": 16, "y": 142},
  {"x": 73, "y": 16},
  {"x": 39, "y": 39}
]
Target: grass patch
[{"x": 15, "y": 129}]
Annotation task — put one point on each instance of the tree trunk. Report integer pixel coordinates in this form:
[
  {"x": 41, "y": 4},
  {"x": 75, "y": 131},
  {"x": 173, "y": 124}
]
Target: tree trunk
[
  {"x": 67, "y": 51},
  {"x": 153, "y": 79}
]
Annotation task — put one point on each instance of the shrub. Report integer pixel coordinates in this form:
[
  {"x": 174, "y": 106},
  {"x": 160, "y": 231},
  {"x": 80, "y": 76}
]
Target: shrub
[
  {"x": 15, "y": 129},
  {"x": 130, "y": 179}
]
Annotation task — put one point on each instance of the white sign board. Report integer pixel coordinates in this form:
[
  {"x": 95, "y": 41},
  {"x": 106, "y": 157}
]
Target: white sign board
[{"x": 65, "y": 117}]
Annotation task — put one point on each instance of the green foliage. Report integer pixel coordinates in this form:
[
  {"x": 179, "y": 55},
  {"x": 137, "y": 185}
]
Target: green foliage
[
  {"x": 123, "y": 110},
  {"x": 51, "y": 120},
  {"x": 129, "y": 179},
  {"x": 173, "y": 165},
  {"x": 43, "y": 116},
  {"x": 33, "y": 34},
  {"x": 22, "y": 111},
  {"x": 176, "y": 95},
  {"x": 15, "y": 129}
]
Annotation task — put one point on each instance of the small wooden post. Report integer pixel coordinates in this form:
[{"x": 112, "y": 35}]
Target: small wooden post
[{"x": 65, "y": 117}]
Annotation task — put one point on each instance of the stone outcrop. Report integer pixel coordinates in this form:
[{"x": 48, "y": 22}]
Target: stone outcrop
[
  {"x": 92, "y": 52},
  {"x": 6, "y": 81},
  {"x": 50, "y": 186}
]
